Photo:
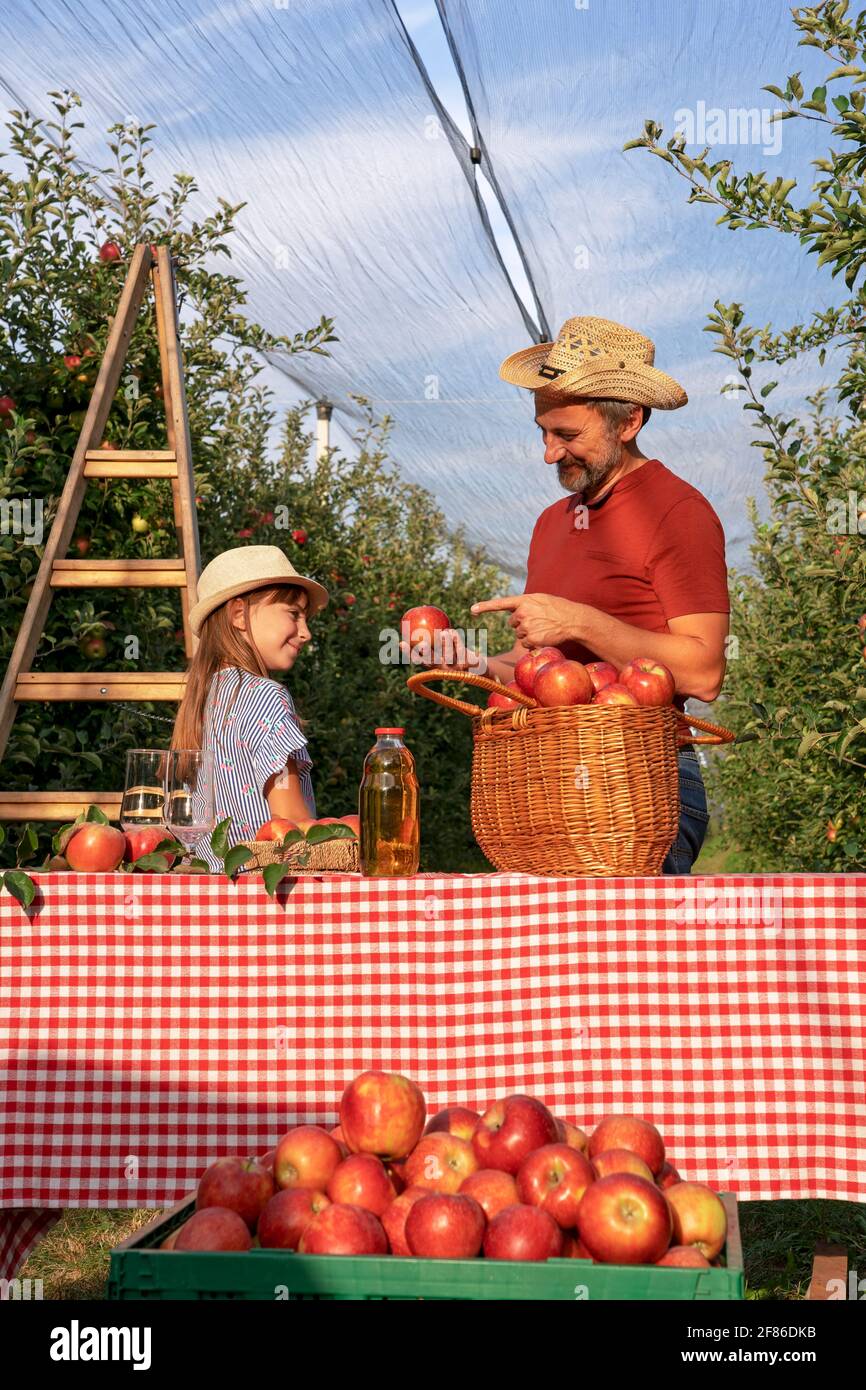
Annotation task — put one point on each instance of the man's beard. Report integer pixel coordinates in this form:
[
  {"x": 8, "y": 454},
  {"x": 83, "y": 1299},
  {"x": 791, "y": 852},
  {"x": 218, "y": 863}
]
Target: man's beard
[{"x": 587, "y": 478}]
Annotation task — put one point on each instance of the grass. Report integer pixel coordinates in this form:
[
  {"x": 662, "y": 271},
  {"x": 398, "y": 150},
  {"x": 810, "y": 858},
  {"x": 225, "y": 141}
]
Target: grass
[
  {"x": 719, "y": 856},
  {"x": 779, "y": 1239}
]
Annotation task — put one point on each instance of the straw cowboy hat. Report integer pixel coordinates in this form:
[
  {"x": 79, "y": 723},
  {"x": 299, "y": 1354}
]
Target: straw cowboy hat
[
  {"x": 597, "y": 358},
  {"x": 245, "y": 568}
]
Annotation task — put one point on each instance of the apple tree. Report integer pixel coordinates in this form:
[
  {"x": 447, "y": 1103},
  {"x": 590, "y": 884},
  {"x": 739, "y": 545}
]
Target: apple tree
[{"x": 790, "y": 788}]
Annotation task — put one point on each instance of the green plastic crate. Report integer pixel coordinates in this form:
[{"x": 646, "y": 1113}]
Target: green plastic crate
[{"x": 139, "y": 1270}]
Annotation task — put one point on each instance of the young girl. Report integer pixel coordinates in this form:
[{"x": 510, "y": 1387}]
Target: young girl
[{"x": 251, "y": 618}]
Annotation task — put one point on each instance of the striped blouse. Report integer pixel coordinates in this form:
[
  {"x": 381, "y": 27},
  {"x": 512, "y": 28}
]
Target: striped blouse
[{"x": 259, "y": 736}]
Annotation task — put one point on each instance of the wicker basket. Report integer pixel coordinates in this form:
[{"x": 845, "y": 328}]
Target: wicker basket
[
  {"x": 588, "y": 790},
  {"x": 331, "y": 856}
]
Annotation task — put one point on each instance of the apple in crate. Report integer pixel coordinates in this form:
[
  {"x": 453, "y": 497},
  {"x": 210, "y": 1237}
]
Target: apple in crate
[
  {"x": 614, "y": 694},
  {"x": 621, "y": 1161},
  {"x": 555, "y": 1178},
  {"x": 306, "y": 1157},
  {"x": 573, "y": 1137},
  {"x": 628, "y": 1132},
  {"x": 601, "y": 673},
  {"x": 440, "y": 1162},
  {"x": 625, "y": 1220},
  {"x": 523, "y": 1233},
  {"x": 684, "y": 1257},
  {"x": 445, "y": 1226},
  {"x": 649, "y": 681},
  {"x": 456, "y": 1119},
  {"x": 382, "y": 1113},
  {"x": 341, "y": 1229},
  {"x": 699, "y": 1217},
  {"x": 361, "y": 1180},
  {"x": 528, "y": 667},
  {"x": 492, "y": 1189},
  {"x": 215, "y": 1228},
  {"x": 510, "y": 1130},
  {"x": 240, "y": 1184},
  {"x": 668, "y": 1176},
  {"x": 394, "y": 1218},
  {"x": 287, "y": 1215},
  {"x": 563, "y": 683}
]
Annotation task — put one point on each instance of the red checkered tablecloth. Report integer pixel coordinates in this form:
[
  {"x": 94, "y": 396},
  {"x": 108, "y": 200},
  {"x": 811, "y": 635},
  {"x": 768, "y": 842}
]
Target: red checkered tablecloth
[{"x": 151, "y": 1024}]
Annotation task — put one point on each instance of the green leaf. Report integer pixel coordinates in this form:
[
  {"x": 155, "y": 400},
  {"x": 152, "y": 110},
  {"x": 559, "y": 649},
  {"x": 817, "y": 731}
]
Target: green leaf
[
  {"x": 20, "y": 885},
  {"x": 808, "y": 742},
  {"x": 318, "y": 834},
  {"x": 154, "y": 862},
  {"x": 765, "y": 390},
  {"x": 851, "y": 848},
  {"x": 94, "y": 813},
  {"x": 236, "y": 857},
  {"x": 219, "y": 838},
  {"x": 273, "y": 874},
  {"x": 759, "y": 710},
  {"x": 292, "y": 837}
]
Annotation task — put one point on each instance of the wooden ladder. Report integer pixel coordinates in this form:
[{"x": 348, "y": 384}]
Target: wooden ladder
[{"x": 89, "y": 461}]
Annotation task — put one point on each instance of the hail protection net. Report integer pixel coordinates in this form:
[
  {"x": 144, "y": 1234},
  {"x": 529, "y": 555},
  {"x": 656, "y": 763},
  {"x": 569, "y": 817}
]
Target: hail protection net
[{"x": 362, "y": 203}]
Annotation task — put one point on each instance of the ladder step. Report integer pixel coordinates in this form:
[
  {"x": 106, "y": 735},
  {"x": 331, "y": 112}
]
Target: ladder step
[
  {"x": 100, "y": 685},
  {"x": 130, "y": 463},
  {"x": 57, "y": 806},
  {"x": 119, "y": 574}
]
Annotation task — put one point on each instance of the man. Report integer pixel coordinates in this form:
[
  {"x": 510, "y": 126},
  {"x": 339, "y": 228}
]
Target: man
[{"x": 632, "y": 562}]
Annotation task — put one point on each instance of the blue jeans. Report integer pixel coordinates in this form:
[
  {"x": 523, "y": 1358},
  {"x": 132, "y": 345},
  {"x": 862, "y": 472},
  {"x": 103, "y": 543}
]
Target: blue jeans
[{"x": 694, "y": 816}]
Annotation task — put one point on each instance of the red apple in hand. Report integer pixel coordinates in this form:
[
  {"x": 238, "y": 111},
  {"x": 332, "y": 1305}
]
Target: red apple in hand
[
  {"x": 394, "y": 1218},
  {"x": 382, "y": 1113},
  {"x": 343, "y": 1230},
  {"x": 563, "y": 683},
  {"x": 625, "y": 1220},
  {"x": 601, "y": 673},
  {"x": 421, "y": 629},
  {"x": 306, "y": 1157},
  {"x": 699, "y": 1217},
  {"x": 287, "y": 1215},
  {"x": 628, "y": 1132},
  {"x": 440, "y": 1162},
  {"x": 361, "y": 1180},
  {"x": 510, "y": 1130},
  {"x": 216, "y": 1228},
  {"x": 455, "y": 1119},
  {"x": 523, "y": 1233},
  {"x": 614, "y": 694},
  {"x": 445, "y": 1226},
  {"x": 528, "y": 667},
  {"x": 239, "y": 1184},
  {"x": 492, "y": 1189},
  {"x": 555, "y": 1178},
  {"x": 649, "y": 682}
]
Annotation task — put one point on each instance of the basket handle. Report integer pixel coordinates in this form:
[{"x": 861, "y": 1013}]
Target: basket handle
[
  {"x": 417, "y": 683},
  {"x": 716, "y": 733}
]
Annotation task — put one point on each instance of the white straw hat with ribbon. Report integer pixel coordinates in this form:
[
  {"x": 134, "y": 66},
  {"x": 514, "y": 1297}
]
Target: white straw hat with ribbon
[
  {"x": 597, "y": 358},
  {"x": 243, "y": 569}
]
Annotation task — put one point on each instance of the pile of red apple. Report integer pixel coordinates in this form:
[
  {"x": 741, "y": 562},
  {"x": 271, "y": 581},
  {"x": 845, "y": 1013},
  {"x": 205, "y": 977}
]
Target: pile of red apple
[
  {"x": 551, "y": 679},
  {"x": 515, "y": 1183},
  {"x": 279, "y": 826}
]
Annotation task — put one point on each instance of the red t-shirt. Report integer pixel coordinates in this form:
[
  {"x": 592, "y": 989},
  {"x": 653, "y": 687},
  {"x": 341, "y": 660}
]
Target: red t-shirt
[{"x": 650, "y": 550}]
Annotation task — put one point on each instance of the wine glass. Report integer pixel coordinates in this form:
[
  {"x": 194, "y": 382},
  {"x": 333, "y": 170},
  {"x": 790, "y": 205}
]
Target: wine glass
[
  {"x": 144, "y": 790},
  {"x": 189, "y": 794}
]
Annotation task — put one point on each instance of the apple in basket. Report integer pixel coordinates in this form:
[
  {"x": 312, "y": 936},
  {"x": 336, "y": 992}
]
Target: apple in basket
[
  {"x": 601, "y": 673},
  {"x": 499, "y": 699},
  {"x": 563, "y": 683},
  {"x": 614, "y": 694},
  {"x": 276, "y": 829},
  {"x": 649, "y": 681},
  {"x": 529, "y": 666}
]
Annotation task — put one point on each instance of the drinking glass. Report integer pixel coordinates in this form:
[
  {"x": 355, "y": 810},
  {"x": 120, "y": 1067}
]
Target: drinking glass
[
  {"x": 144, "y": 790},
  {"x": 189, "y": 799}
]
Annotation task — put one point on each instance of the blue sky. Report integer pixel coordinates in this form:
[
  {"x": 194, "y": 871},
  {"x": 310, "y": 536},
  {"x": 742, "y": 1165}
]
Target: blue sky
[{"x": 312, "y": 112}]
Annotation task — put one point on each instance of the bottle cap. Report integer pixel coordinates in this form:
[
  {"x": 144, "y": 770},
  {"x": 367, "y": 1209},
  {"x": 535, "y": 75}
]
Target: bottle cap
[{"x": 389, "y": 731}]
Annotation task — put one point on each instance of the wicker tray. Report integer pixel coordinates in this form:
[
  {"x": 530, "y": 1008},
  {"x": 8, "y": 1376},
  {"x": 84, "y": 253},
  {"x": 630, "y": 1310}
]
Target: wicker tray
[
  {"x": 590, "y": 790},
  {"x": 331, "y": 856}
]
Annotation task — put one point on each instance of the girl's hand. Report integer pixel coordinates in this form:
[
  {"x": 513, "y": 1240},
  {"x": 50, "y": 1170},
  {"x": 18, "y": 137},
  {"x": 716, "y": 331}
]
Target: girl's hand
[{"x": 453, "y": 653}]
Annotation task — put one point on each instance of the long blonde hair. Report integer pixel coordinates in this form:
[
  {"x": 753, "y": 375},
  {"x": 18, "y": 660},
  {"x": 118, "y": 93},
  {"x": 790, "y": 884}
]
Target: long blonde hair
[{"x": 222, "y": 644}]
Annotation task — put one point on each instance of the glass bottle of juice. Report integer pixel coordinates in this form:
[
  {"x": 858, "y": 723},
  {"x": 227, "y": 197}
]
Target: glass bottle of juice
[{"x": 388, "y": 809}]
